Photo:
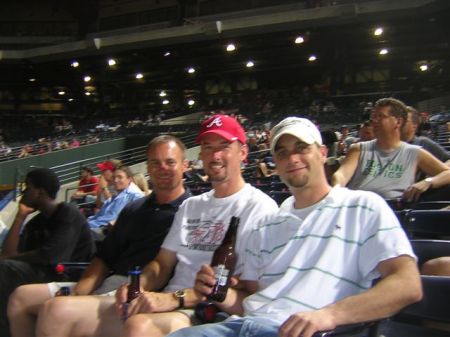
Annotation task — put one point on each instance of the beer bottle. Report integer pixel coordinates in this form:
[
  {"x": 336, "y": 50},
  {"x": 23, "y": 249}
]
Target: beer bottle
[
  {"x": 134, "y": 287},
  {"x": 206, "y": 312},
  {"x": 223, "y": 262}
]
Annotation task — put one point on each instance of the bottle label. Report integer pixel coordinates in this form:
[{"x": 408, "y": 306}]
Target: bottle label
[{"x": 221, "y": 273}]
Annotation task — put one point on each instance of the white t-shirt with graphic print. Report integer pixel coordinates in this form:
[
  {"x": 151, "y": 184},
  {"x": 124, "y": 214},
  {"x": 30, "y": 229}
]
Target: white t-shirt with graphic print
[{"x": 201, "y": 223}]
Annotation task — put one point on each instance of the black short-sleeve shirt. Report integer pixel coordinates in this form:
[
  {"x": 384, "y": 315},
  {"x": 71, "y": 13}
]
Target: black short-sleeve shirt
[
  {"x": 62, "y": 237},
  {"x": 138, "y": 233}
]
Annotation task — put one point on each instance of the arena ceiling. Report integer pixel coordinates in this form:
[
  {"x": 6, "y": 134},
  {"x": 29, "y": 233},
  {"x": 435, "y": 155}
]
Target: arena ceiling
[{"x": 37, "y": 69}]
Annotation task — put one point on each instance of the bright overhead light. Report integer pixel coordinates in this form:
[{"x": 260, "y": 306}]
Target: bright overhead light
[
  {"x": 383, "y": 51},
  {"x": 61, "y": 92},
  {"x": 191, "y": 102},
  {"x": 250, "y": 64},
  {"x": 87, "y": 93},
  {"x": 191, "y": 70},
  {"x": 70, "y": 99},
  {"x": 312, "y": 58},
  {"x": 167, "y": 53},
  {"x": 231, "y": 47},
  {"x": 74, "y": 64},
  {"x": 32, "y": 80},
  {"x": 378, "y": 31},
  {"x": 162, "y": 94},
  {"x": 165, "y": 102},
  {"x": 423, "y": 67},
  {"x": 87, "y": 78},
  {"x": 139, "y": 76},
  {"x": 299, "y": 39},
  {"x": 112, "y": 62}
]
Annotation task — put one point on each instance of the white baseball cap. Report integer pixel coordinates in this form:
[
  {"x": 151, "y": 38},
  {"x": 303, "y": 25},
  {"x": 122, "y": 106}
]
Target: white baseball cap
[{"x": 301, "y": 128}]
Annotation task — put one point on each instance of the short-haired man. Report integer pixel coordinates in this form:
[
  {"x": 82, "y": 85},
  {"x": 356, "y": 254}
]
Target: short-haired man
[
  {"x": 135, "y": 240},
  {"x": 388, "y": 166},
  {"x": 409, "y": 135},
  {"x": 198, "y": 229},
  {"x": 310, "y": 268},
  {"x": 127, "y": 191},
  {"x": 30, "y": 252},
  {"x": 87, "y": 186}
]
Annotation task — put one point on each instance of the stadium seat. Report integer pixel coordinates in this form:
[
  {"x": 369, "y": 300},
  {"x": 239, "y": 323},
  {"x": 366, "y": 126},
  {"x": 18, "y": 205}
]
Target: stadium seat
[
  {"x": 424, "y": 318},
  {"x": 430, "y": 249},
  {"x": 428, "y": 224}
]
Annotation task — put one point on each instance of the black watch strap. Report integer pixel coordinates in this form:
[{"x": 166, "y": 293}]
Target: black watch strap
[{"x": 180, "y": 294}]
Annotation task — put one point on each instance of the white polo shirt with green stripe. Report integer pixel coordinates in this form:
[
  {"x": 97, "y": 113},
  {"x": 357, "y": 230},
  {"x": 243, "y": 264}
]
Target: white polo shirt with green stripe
[{"x": 307, "y": 259}]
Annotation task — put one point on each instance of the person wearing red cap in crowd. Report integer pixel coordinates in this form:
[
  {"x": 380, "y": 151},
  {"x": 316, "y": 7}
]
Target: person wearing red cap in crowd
[
  {"x": 198, "y": 229},
  {"x": 106, "y": 187}
]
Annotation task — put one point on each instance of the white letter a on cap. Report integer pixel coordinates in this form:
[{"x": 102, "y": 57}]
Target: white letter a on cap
[{"x": 216, "y": 121}]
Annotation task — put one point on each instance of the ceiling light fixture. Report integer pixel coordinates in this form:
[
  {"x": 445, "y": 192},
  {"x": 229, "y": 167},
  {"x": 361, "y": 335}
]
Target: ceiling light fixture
[
  {"x": 74, "y": 64},
  {"x": 191, "y": 102},
  {"x": 162, "y": 94},
  {"x": 191, "y": 70},
  {"x": 87, "y": 78},
  {"x": 112, "y": 62},
  {"x": 383, "y": 51},
  {"x": 312, "y": 58},
  {"x": 378, "y": 31},
  {"x": 231, "y": 47},
  {"x": 250, "y": 64},
  {"x": 299, "y": 40},
  {"x": 139, "y": 76}
]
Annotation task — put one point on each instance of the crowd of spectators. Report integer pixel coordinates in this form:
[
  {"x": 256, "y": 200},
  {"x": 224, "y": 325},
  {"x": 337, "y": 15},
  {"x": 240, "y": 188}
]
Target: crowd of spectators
[{"x": 295, "y": 151}]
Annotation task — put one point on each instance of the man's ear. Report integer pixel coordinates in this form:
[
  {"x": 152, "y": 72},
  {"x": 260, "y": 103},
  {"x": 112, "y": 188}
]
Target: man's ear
[
  {"x": 185, "y": 165},
  {"x": 324, "y": 153},
  {"x": 244, "y": 151}
]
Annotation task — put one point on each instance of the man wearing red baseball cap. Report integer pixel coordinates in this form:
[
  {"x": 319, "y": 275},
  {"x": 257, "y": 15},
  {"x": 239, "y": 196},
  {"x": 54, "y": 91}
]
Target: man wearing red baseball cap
[
  {"x": 224, "y": 126},
  {"x": 106, "y": 187},
  {"x": 197, "y": 231}
]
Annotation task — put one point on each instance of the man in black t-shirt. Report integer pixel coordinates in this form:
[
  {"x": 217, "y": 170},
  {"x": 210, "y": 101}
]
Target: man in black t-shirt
[
  {"x": 134, "y": 240},
  {"x": 58, "y": 233}
]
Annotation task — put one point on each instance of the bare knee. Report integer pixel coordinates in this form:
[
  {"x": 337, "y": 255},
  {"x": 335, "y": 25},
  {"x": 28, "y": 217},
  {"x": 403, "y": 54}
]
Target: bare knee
[
  {"x": 154, "y": 325},
  {"x": 438, "y": 266},
  {"x": 57, "y": 309},
  {"x": 15, "y": 302},
  {"x": 139, "y": 325}
]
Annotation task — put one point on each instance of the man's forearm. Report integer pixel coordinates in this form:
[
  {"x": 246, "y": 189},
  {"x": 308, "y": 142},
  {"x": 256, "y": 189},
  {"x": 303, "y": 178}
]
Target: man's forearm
[
  {"x": 92, "y": 277},
  {"x": 386, "y": 298},
  {"x": 338, "y": 179},
  {"x": 441, "y": 179},
  {"x": 154, "y": 277}
]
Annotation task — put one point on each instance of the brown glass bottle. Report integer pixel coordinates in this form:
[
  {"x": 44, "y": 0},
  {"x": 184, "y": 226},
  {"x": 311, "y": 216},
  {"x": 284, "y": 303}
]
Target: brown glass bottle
[
  {"x": 134, "y": 286},
  {"x": 223, "y": 262}
]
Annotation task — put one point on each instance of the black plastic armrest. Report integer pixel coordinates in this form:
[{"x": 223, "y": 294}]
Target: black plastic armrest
[
  {"x": 349, "y": 329},
  {"x": 75, "y": 265}
]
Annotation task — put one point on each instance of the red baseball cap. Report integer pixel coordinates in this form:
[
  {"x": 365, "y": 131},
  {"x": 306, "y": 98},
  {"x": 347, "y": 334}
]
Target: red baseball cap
[
  {"x": 224, "y": 126},
  {"x": 106, "y": 165}
]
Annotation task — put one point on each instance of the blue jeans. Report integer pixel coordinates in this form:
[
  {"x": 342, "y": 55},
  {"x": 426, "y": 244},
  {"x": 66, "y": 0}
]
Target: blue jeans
[{"x": 232, "y": 327}]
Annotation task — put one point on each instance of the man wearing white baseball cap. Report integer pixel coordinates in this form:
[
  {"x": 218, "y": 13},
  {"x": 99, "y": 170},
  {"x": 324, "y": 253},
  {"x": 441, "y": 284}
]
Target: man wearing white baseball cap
[{"x": 310, "y": 267}]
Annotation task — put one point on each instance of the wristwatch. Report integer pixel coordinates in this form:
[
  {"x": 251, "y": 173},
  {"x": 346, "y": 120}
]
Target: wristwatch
[
  {"x": 430, "y": 181},
  {"x": 180, "y": 295}
]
